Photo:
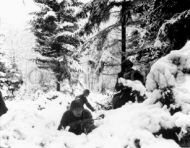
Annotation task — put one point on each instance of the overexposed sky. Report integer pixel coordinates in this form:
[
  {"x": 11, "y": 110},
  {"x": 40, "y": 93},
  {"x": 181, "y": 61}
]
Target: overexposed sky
[
  {"x": 18, "y": 40},
  {"x": 15, "y": 12}
]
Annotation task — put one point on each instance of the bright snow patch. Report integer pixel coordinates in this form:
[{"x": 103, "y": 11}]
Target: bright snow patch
[
  {"x": 50, "y": 13},
  {"x": 172, "y": 71},
  {"x": 135, "y": 85},
  {"x": 34, "y": 124}
]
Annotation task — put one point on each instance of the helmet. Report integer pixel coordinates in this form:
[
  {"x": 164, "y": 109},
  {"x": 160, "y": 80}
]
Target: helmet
[
  {"x": 86, "y": 91},
  {"x": 76, "y": 104}
]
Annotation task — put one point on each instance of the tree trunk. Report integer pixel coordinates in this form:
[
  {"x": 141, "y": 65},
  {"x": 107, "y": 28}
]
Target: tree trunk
[
  {"x": 123, "y": 33},
  {"x": 71, "y": 86},
  {"x": 58, "y": 77},
  {"x": 59, "y": 74},
  {"x": 58, "y": 86}
]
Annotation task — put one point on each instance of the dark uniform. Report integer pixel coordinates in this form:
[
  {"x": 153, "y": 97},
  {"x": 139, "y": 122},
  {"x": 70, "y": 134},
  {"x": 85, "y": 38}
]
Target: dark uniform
[
  {"x": 78, "y": 124},
  {"x": 83, "y": 100},
  {"x": 3, "y": 108},
  {"x": 126, "y": 93}
]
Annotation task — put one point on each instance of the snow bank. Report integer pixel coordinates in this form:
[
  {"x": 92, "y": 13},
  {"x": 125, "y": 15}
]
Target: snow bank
[
  {"x": 172, "y": 71},
  {"x": 99, "y": 101},
  {"x": 135, "y": 85},
  {"x": 30, "y": 123},
  {"x": 34, "y": 124}
]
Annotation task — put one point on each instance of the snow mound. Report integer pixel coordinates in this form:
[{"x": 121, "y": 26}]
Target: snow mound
[
  {"x": 135, "y": 85},
  {"x": 172, "y": 71},
  {"x": 28, "y": 125}
]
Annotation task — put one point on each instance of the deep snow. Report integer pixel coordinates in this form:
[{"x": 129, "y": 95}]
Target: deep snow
[{"x": 32, "y": 122}]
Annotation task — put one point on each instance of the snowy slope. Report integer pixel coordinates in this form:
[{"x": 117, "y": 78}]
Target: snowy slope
[{"x": 34, "y": 124}]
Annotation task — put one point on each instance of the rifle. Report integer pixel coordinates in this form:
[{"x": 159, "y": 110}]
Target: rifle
[{"x": 87, "y": 120}]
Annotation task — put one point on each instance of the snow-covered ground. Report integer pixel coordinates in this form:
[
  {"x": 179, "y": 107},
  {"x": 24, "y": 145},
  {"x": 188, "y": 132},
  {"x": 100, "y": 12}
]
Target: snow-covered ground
[
  {"x": 33, "y": 121},
  {"x": 34, "y": 124}
]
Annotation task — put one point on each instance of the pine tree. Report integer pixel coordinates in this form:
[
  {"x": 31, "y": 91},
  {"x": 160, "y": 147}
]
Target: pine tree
[
  {"x": 10, "y": 77},
  {"x": 101, "y": 11},
  {"x": 13, "y": 79},
  {"x": 56, "y": 41}
]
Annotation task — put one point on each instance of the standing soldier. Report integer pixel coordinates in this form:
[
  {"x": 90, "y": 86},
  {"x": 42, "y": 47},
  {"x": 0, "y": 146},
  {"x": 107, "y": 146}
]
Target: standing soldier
[{"x": 83, "y": 100}]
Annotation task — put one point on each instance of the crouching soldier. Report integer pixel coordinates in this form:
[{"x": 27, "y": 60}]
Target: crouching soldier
[
  {"x": 3, "y": 108},
  {"x": 83, "y": 99},
  {"x": 77, "y": 118}
]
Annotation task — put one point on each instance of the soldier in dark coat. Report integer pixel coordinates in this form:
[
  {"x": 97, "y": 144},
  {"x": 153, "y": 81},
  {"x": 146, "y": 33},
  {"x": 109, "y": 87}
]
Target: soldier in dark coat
[
  {"x": 128, "y": 73},
  {"x": 126, "y": 93},
  {"x": 3, "y": 108},
  {"x": 83, "y": 99},
  {"x": 77, "y": 118}
]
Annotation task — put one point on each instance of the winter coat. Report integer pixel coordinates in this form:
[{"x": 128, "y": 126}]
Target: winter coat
[
  {"x": 83, "y": 101},
  {"x": 77, "y": 125}
]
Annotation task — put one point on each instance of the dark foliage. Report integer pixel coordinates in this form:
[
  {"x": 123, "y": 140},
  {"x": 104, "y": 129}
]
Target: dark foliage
[
  {"x": 170, "y": 133},
  {"x": 176, "y": 34},
  {"x": 56, "y": 39}
]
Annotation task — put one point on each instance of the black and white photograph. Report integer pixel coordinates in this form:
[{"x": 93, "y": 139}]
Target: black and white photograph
[{"x": 94, "y": 73}]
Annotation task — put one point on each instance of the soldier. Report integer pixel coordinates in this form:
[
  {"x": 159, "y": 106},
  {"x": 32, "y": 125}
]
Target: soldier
[
  {"x": 125, "y": 93},
  {"x": 77, "y": 118},
  {"x": 128, "y": 73},
  {"x": 3, "y": 108},
  {"x": 82, "y": 98}
]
